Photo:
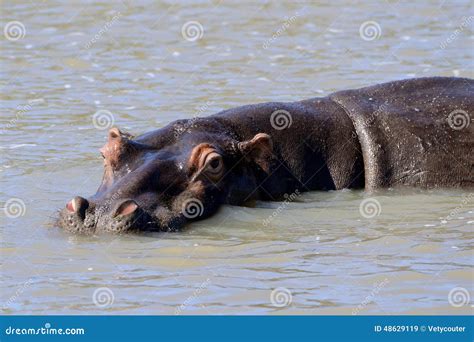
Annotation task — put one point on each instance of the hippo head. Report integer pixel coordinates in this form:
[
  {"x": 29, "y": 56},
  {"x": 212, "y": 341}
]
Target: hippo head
[{"x": 164, "y": 179}]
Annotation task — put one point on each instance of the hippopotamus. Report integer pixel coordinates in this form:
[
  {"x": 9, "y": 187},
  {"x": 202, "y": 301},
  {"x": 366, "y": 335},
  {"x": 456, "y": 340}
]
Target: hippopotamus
[{"x": 414, "y": 132}]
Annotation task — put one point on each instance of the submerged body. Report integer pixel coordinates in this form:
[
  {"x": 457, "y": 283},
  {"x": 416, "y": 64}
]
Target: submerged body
[{"x": 414, "y": 132}]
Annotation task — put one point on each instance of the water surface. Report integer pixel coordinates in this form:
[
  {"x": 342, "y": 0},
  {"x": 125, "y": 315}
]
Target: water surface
[{"x": 317, "y": 255}]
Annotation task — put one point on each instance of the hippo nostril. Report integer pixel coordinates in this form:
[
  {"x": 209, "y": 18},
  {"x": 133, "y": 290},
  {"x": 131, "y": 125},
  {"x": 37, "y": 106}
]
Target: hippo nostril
[
  {"x": 126, "y": 208},
  {"x": 70, "y": 206},
  {"x": 77, "y": 205}
]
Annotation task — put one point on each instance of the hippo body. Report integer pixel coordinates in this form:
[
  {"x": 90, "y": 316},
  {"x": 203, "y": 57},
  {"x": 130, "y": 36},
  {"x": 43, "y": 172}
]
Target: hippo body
[{"x": 415, "y": 132}]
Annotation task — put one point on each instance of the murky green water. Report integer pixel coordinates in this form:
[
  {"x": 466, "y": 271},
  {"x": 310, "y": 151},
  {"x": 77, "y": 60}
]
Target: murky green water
[{"x": 318, "y": 255}]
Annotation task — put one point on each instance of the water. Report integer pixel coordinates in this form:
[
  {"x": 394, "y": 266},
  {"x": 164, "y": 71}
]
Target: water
[{"x": 317, "y": 255}]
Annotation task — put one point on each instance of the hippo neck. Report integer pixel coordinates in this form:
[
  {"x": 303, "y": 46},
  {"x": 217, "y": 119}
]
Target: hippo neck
[{"x": 316, "y": 147}]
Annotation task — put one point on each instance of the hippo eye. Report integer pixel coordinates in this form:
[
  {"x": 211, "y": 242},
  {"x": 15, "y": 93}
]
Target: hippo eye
[{"x": 214, "y": 164}]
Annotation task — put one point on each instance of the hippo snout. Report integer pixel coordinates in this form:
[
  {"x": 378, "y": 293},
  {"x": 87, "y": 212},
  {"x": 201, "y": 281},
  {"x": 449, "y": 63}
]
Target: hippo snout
[
  {"x": 83, "y": 216},
  {"x": 78, "y": 205},
  {"x": 78, "y": 216},
  {"x": 126, "y": 216}
]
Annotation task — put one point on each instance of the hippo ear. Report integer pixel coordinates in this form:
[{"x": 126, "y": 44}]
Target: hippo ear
[
  {"x": 116, "y": 134},
  {"x": 259, "y": 150},
  {"x": 116, "y": 139}
]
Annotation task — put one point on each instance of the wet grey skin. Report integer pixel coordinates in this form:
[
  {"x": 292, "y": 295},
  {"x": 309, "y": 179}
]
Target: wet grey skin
[{"x": 415, "y": 132}]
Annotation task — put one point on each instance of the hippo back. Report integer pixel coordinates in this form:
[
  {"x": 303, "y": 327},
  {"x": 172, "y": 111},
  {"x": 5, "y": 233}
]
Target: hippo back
[{"x": 415, "y": 132}]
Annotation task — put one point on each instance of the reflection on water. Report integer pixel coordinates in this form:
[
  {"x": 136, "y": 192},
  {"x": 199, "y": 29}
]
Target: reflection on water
[{"x": 345, "y": 252}]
